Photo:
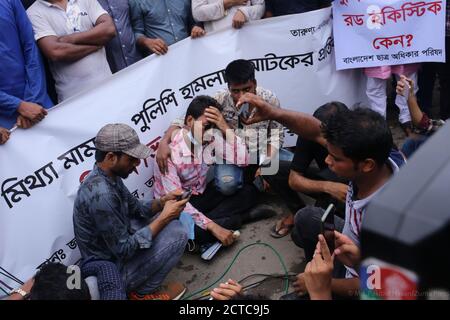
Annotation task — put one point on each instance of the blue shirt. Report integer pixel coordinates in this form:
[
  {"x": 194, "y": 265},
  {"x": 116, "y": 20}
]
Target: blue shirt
[
  {"x": 121, "y": 51},
  {"x": 22, "y": 75},
  {"x": 284, "y": 7},
  {"x": 102, "y": 219},
  {"x": 170, "y": 21}
]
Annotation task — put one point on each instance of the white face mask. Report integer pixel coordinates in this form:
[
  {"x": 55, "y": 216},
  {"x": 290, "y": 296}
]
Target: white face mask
[{"x": 192, "y": 139}]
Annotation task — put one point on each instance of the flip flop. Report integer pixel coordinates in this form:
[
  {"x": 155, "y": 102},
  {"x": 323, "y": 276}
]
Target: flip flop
[{"x": 279, "y": 234}]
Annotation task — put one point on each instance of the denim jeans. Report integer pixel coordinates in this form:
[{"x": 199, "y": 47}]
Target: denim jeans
[
  {"x": 412, "y": 144},
  {"x": 146, "y": 271},
  {"x": 229, "y": 178}
]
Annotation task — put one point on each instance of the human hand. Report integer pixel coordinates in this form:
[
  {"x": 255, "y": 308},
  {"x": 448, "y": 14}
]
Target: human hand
[
  {"x": 197, "y": 32},
  {"x": 405, "y": 87},
  {"x": 213, "y": 115},
  {"x": 4, "y": 135},
  {"x": 162, "y": 156},
  {"x": 157, "y": 46},
  {"x": 346, "y": 250},
  {"x": 318, "y": 272},
  {"x": 24, "y": 123},
  {"x": 239, "y": 20},
  {"x": 172, "y": 195},
  {"x": 226, "y": 291},
  {"x": 223, "y": 235},
  {"x": 172, "y": 209},
  {"x": 299, "y": 285},
  {"x": 264, "y": 111},
  {"x": 32, "y": 111},
  {"x": 337, "y": 190}
]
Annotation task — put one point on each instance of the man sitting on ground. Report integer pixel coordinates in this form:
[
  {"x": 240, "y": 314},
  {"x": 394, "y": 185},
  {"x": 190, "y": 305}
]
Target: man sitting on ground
[
  {"x": 111, "y": 224},
  {"x": 320, "y": 183},
  {"x": 359, "y": 144},
  {"x": 263, "y": 139},
  {"x": 215, "y": 214}
]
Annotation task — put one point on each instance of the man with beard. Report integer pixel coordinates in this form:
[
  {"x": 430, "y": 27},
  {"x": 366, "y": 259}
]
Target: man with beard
[{"x": 111, "y": 224}]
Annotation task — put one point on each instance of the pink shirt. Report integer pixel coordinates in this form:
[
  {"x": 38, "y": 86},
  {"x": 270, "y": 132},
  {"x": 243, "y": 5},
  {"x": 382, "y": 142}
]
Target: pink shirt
[
  {"x": 187, "y": 171},
  {"x": 385, "y": 72}
]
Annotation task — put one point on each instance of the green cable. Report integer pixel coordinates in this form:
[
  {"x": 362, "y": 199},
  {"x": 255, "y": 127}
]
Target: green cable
[{"x": 233, "y": 261}]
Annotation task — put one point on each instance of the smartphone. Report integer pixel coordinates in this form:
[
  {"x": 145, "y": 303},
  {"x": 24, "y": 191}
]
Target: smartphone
[
  {"x": 184, "y": 195},
  {"x": 327, "y": 227},
  {"x": 244, "y": 111}
]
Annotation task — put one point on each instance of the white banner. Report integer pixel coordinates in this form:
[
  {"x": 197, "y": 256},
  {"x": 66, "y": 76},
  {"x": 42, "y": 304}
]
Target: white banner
[
  {"x": 41, "y": 168},
  {"x": 370, "y": 33}
]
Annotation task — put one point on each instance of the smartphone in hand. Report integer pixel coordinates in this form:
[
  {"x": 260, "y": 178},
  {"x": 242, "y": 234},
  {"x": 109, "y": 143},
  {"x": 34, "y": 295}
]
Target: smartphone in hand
[
  {"x": 184, "y": 195},
  {"x": 244, "y": 111},
  {"x": 327, "y": 227}
]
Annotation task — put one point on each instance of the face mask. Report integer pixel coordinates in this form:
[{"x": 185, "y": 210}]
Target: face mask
[{"x": 192, "y": 139}]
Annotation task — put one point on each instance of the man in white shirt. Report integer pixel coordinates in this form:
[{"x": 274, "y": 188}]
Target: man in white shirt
[
  {"x": 221, "y": 14},
  {"x": 72, "y": 35}
]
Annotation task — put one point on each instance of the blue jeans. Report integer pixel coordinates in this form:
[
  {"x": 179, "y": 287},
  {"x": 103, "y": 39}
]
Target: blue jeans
[
  {"x": 412, "y": 144},
  {"x": 146, "y": 271},
  {"x": 229, "y": 178}
]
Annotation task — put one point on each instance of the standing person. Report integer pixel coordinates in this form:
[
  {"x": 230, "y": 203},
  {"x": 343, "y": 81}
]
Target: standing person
[
  {"x": 111, "y": 224},
  {"x": 121, "y": 51},
  {"x": 157, "y": 24},
  {"x": 221, "y": 14},
  {"x": 23, "y": 90},
  {"x": 72, "y": 35},
  {"x": 377, "y": 80}
]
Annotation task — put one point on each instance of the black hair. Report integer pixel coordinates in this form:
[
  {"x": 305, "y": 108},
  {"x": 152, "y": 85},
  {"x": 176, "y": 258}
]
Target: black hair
[
  {"x": 101, "y": 155},
  {"x": 51, "y": 283},
  {"x": 361, "y": 134},
  {"x": 324, "y": 112},
  {"x": 239, "y": 72},
  {"x": 199, "y": 104}
]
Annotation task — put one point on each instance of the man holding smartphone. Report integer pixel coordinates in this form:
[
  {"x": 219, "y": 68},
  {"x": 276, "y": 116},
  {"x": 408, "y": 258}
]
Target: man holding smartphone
[
  {"x": 360, "y": 149},
  {"x": 144, "y": 239}
]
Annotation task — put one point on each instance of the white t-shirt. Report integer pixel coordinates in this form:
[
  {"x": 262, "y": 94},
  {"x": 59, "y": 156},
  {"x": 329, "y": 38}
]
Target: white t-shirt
[
  {"x": 354, "y": 215},
  {"x": 81, "y": 15},
  {"x": 214, "y": 16}
]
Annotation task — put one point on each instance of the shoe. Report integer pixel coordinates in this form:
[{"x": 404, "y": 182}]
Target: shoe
[
  {"x": 170, "y": 291},
  {"x": 261, "y": 211}
]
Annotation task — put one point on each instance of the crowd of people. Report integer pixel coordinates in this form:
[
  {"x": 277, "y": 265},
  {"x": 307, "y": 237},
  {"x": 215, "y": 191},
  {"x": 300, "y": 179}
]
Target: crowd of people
[{"x": 342, "y": 156}]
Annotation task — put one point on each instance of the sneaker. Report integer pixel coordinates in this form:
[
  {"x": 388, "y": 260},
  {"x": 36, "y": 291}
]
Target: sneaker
[{"x": 170, "y": 291}]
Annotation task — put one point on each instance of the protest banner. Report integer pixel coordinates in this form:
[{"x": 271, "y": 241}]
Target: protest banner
[
  {"x": 41, "y": 168},
  {"x": 388, "y": 32}
]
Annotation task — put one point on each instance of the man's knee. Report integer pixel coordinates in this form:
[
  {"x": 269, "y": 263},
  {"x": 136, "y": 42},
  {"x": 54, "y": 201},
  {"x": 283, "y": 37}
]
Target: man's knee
[
  {"x": 306, "y": 224},
  {"x": 177, "y": 234},
  {"x": 227, "y": 185}
]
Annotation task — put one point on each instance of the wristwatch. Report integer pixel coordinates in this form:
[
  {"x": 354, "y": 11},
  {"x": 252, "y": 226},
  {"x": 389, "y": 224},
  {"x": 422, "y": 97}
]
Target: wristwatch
[{"x": 20, "y": 291}]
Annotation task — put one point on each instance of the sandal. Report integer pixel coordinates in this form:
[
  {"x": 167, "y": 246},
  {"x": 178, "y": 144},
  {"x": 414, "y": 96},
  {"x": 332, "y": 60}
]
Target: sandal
[{"x": 283, "y": 231}]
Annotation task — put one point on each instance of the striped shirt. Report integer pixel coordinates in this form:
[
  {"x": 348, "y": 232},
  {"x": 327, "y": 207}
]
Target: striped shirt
[{"x": 354, "y": 214}]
